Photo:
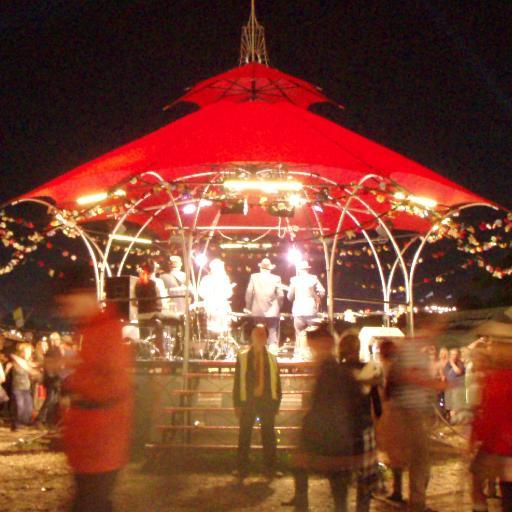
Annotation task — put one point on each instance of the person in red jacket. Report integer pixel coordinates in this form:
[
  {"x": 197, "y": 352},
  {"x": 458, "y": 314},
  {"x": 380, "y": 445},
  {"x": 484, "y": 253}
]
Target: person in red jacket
[
  {"x": 98, "y": 423},
  {"x": 492, "y": 426}
]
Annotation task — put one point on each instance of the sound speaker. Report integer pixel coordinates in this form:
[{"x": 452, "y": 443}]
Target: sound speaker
[{"x": 121, "y": 290}]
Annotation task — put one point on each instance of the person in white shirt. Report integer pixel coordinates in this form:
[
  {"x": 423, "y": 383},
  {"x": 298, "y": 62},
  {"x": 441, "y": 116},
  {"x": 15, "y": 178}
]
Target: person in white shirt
[
  {"x": 216, "y": 289},
  {"x": 306, "y": 292}
]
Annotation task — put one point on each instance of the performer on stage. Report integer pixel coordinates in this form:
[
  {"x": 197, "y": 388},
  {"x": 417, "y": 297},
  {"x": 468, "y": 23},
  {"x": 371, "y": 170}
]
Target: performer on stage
[
  {"x": 264, "y": 299},
  {"x": 216, "y": 289},
  {"x": 174, "y": 280},
  {"x": 306, "y": 292},
  {"x": 150, "y": 294}
]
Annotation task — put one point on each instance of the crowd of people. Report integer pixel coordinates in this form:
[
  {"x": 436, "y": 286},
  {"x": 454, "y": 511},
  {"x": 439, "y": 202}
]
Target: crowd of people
[
  {"x": 385, "y": 408},
  {"x": 32, "y": 373},
  {"x": 360, "y": 413}
]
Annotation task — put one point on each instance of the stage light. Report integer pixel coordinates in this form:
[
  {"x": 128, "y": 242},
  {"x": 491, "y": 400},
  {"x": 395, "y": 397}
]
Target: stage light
[
  {"x": 100, "y": 196},
  {"x": 203, "y": 203},
  {"x": 126, "y": 238},
  {"x": 423, "y": 201},
  {"x": 189, "y": 209},
  {"x": 294, "y": 255},
  {"x": 426, "y": 202},
  {"x": 318, "y": 208},
  {"x": 296, "y": 200},
  {"x": 201, "y": 259},
  {"x": 245, "y": 245},
  {"x": 268, "y": 186}
]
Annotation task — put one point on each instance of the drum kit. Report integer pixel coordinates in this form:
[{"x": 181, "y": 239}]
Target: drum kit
[{"x": 204, "y": 344}]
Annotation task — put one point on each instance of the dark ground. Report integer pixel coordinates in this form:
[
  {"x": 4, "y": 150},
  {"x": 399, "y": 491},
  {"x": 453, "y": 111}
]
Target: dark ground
[{"x": 33, "y": 478}]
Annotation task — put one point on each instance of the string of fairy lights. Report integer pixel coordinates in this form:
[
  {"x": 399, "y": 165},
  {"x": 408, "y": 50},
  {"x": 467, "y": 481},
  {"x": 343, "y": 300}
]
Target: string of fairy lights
[{"x": 23, "y": 243}]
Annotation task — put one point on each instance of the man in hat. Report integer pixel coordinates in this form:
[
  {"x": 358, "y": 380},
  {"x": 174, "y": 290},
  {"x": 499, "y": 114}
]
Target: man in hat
[
  {"x": 264, "y": 299},
  {"x": 306, "y": 292}
]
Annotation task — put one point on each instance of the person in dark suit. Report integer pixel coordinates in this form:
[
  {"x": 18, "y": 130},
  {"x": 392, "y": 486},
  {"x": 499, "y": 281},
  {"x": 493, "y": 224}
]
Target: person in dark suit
[
  {"x": 257, "y": 393},
  {"x": 264, "y": 298}
]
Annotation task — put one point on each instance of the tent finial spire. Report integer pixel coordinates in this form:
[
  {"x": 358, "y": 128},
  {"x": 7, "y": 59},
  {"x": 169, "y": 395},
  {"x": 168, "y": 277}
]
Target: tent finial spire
[{"x": 253, "y": 47}]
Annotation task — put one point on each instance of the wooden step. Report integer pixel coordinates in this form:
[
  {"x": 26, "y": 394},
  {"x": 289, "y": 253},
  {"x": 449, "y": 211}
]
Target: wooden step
[
  {"x": 222, "y": 375},
  {"x": 210, "y": 447},
  {"x": 180, "y": 392},
  {"x": 218, "y": 409},
  {"x": 218, "y": 428}
]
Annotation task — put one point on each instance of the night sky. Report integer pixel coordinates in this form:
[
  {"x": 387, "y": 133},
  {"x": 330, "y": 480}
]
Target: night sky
[{"x": 428, "y": 78}]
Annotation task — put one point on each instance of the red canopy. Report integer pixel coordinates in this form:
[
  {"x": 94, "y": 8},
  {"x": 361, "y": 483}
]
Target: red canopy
[
  {"x": 255, "y": 82},
  {"x": 251, "y": 116}
]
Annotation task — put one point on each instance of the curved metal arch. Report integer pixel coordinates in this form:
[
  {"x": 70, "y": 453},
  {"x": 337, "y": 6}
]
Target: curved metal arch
[
  {"x": 89, "y": 243},
  {"x": 395, "y": 265},
  {"x": 344, "y": 209},
  {"x": 384, "y": 226},
  {"x": 424, "y": 239},
  {"x": 376, "y": 257}
]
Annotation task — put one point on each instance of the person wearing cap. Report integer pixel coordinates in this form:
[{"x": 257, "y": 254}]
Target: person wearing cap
[
  {"x": 264, "y": 298},
  {"x": 216, "y": 289},
  {"x": 492, "y": 427},
  {"x": 306, "y": 292}
]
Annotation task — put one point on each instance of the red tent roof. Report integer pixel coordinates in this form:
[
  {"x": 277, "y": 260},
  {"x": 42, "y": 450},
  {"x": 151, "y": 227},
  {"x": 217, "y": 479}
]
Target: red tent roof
[
  {"x": 255, "y": 82},
  {"x": 267, "y": 129}
]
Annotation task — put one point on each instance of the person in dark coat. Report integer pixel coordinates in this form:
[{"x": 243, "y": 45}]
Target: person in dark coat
[
  {"x": 257, "y": 393},
  {"x": 332, "y": 441}
]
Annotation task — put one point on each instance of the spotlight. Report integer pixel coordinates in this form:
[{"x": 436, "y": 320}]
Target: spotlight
[
  {"x": 189, "y": 209},
  {"x": 281, "y": 209},
  {"x": 201, "y": 259},
  {"x": 294, "y": 255},
  {"x": 318, "y": 208},
  {"x": 296, "y": 200}
]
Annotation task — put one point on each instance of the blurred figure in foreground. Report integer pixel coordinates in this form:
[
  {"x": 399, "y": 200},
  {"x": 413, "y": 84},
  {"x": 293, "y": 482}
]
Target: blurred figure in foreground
[
  {"x": 387, "y": 441},
  {"x": 97, "y": 426},
  {"x": 369, "y": 376},
  {"x": 411, "y": 391},
  {"x": 492, "y": 429},
  {"x": 333, "y": 442}
]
